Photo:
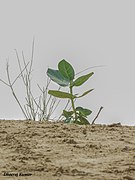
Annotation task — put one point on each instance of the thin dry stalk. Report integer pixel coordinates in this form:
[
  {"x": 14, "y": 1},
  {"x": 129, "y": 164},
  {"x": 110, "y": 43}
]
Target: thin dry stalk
[
  {"x": 40, "y": 108},
  {"x": 12, "y": 89},
  {"x": 93, "y": 122}
]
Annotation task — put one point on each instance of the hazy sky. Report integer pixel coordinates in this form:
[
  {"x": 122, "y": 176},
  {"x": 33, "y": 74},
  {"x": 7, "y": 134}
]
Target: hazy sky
[{"x": 84, "y": 32}]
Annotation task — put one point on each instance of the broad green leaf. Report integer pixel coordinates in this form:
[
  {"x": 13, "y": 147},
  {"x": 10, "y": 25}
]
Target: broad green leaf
[
  {"x": 60, "y": 94},
  {"x": 79, "y": 81},
  {"x": 83, "y": 111},
  {"x": 57, "y": 77},
  {"x": 66, "y": 70},
  {"x": 82, "y": 121},
  {"x": 85, "y": 93},
  {"x": 67, "y": 113}
]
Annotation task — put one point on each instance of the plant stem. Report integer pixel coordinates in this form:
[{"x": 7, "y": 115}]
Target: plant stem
[
  {"x": 97, "y": 115},
  {"x": 72, "y": 102}
]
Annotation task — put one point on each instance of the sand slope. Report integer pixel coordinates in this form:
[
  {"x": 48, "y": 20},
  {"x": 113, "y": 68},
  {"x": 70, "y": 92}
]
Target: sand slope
[{"x": 57, "y": 151}]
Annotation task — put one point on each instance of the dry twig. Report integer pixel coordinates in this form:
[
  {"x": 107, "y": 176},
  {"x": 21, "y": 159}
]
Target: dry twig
[{"x": 97, "y": 115}]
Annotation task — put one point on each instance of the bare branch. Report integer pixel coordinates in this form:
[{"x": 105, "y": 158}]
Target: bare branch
[
  {"x": 19, "y": 65},
  {"x": 11, "y": 87},
  {"x": 4, "y": 82},
  {"x": 20, "y": 74},
  {"x": 32, "y": 54},
  {"x": 41, "y": 108},
  {"x": 97, "y": 115}
]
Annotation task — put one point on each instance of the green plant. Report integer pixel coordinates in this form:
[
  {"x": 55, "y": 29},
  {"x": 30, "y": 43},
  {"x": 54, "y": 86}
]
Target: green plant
[{"x": 65, "y": 77}]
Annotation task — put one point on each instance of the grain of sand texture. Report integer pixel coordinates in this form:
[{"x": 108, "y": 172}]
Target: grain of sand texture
[{"x": 56, "y": 151}]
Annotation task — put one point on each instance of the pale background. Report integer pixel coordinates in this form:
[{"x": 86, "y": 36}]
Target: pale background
[{"x": 86, "y": 33}]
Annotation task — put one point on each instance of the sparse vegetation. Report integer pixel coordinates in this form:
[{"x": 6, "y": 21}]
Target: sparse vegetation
[
  {"x": 40, "y": 108},
  {"x": 43, "y": 106}
]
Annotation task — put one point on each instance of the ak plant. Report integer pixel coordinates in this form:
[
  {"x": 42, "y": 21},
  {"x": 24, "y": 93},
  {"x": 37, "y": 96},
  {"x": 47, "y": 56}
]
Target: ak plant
[{"x": 65, "y": 77}]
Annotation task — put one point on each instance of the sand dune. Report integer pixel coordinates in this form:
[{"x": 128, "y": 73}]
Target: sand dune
[{"x": 56, "y": 151}]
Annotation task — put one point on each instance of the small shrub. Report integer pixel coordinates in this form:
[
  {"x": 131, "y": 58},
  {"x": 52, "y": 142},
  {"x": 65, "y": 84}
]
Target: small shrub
[
  {"x": 65, "y": 77},
  {"x": 35, "y": 108}
]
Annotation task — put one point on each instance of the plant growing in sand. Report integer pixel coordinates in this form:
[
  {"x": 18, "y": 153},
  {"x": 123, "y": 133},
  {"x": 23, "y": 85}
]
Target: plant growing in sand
[
  {"x": 39, "y": 108},
  {"x": 65, "y": 77}
]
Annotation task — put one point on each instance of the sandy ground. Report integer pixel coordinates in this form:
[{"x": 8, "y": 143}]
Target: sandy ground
[{"x": 56, "y": 151}]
